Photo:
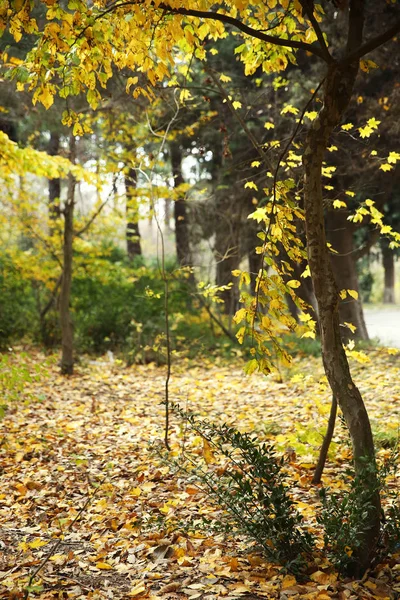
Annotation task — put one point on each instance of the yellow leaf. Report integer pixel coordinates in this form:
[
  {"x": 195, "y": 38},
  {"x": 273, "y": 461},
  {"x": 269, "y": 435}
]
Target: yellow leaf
[
  {"x": 255, "y": 163},
  {"x": 350, "y": 326},
  {"x": 207, "y": 452},
  {"x": 37, "y": 543},
  {"x": 353, "y": 294},
  {"x": 347, "y": 126},
  {"x": 373, "y": 123},
  {"x": 184, "y": 95},
  {"x": 312, "y": 115},
  {"x": 393, "y": 351},
  {"x": 59, "y": 559},
  {"x": 103, "y": 565},
  {"x": 137, "y": 588},
  {"x": 309, "y": 334},
  {"x": 269, "y": 125},
  {"x": 225, "y": 78},
  {"x": 323, "y": 578},
  {"x": 366, "y": 131},
  {"x": 288, "y": 581},
  {"x": 236, "y": 104},
  {"x": 386, "y": 167},
  {"x": 366, "y": 65},
  {"x": 393, "y": 157},
  {"x": 293, "y": 283},
  {"x": 343, "y": 294},
  {"x": 289, "y": 109},
  {"x": 339, "y": 204},
  {"x": 251, "y": 184},
  {"x": 77, "y": 130}
]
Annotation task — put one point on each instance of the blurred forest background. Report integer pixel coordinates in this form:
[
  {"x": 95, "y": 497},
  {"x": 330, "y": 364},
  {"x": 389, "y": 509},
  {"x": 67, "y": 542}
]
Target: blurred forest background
[{"x": 162, "y": 193}]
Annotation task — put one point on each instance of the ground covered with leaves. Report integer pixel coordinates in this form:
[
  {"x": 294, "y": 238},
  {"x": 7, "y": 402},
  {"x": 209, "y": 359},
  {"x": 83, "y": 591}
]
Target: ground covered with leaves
[{"x": 92, "y": 506}]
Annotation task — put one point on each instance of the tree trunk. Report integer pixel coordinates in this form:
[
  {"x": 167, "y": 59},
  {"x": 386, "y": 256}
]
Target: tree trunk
[
  {"x": 340, "y": 235},
  {"x": 389, "y": 274},
  {"x": 183, "y": 252},
  {"x": 54, "y": 184},
  {"x": 133, "y": 245},
  {"x": 67, "y": 336},
  {"x": 167, "y": 216},
  {"x": 323, "y": 453},
  {"x": 338, "y": 90}
]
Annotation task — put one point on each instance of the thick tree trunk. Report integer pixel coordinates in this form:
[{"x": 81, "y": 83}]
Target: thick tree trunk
[
  {"x": 389, "y": 274},
  {"x": 67, "y": 339},
  {"x": 183, "y": 252},
  {"x": 340, "y": 235},
  {"x": 54, "y": 184},
  {"x": 338, "y": 89},
  {"x": 133, "y": 245}
]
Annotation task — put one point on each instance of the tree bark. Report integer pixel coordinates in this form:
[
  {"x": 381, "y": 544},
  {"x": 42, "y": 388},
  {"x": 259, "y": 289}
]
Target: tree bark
[
  {"x": 340, "y": 235},
  {"x": 182, "y": 243},
  {"x": 338, "y": 89},
  {"x": 133, "y": 245},
  {"x": 67, "y": 335},
  {"x": 389, "y": 274},
  {"x": 54, "y": 184}
]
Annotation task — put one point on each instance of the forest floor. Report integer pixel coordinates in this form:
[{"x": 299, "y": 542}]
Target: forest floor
[{"x": 90, "y": 505}]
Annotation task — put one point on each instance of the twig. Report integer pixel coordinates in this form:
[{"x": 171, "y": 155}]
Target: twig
[{"x": 58, "y": 542}]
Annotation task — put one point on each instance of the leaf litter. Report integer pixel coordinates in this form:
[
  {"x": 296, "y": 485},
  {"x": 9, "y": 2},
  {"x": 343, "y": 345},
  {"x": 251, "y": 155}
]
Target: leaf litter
[{"x": 90, "y": 509}]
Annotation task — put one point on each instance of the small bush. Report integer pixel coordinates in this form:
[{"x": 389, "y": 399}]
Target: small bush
[
  {"x": 17, "y": 304},
  {"x": 345, "y": 516},
  {"x": 252, "y": 488}
]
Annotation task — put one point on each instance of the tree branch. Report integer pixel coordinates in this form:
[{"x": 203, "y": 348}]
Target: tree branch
[
  {"x": 202, "y": 14},
  {"x": 49, "y": 304},
  {"x": 92, "y": 218},
  {"x": 372, "y": 44},
  {"x": 255, "y": 33},
  {"x": 308, "y": 8}
]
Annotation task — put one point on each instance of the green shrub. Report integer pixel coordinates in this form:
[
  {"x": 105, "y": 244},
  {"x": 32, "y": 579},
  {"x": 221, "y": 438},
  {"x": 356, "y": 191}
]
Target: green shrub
[
  {"x": 118, "y": 307},
  {"x": 15, "y": 374},
  {"x": 252, "y": 488},
  {"x": 17, "y": 304},
  {"x": 346, "y": 514}
]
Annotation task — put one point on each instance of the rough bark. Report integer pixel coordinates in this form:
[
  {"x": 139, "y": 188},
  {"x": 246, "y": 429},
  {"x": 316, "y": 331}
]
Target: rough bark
[
  {"x": 340, "y": 235},
  {"x": 182, "y": 243},
  {"x": 389, "y": 274},
  {"x": 133, "y": 245},
  {"x": 337, "y": 92},
  {"x": 67, "y": 335},
  {"x": 54, "y": 184}
]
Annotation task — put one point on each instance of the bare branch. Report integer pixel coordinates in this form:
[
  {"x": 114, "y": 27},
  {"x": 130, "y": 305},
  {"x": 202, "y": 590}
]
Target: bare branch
[
  {"x": 49, "y": 304},
  {"x": 93, "y": 217},
  {"x": 308, "y": 8},
  {"x": 372, "y": 44}
]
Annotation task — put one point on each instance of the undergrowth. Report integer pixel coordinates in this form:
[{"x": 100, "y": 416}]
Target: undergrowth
[{"x": 248, "y": 480}]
